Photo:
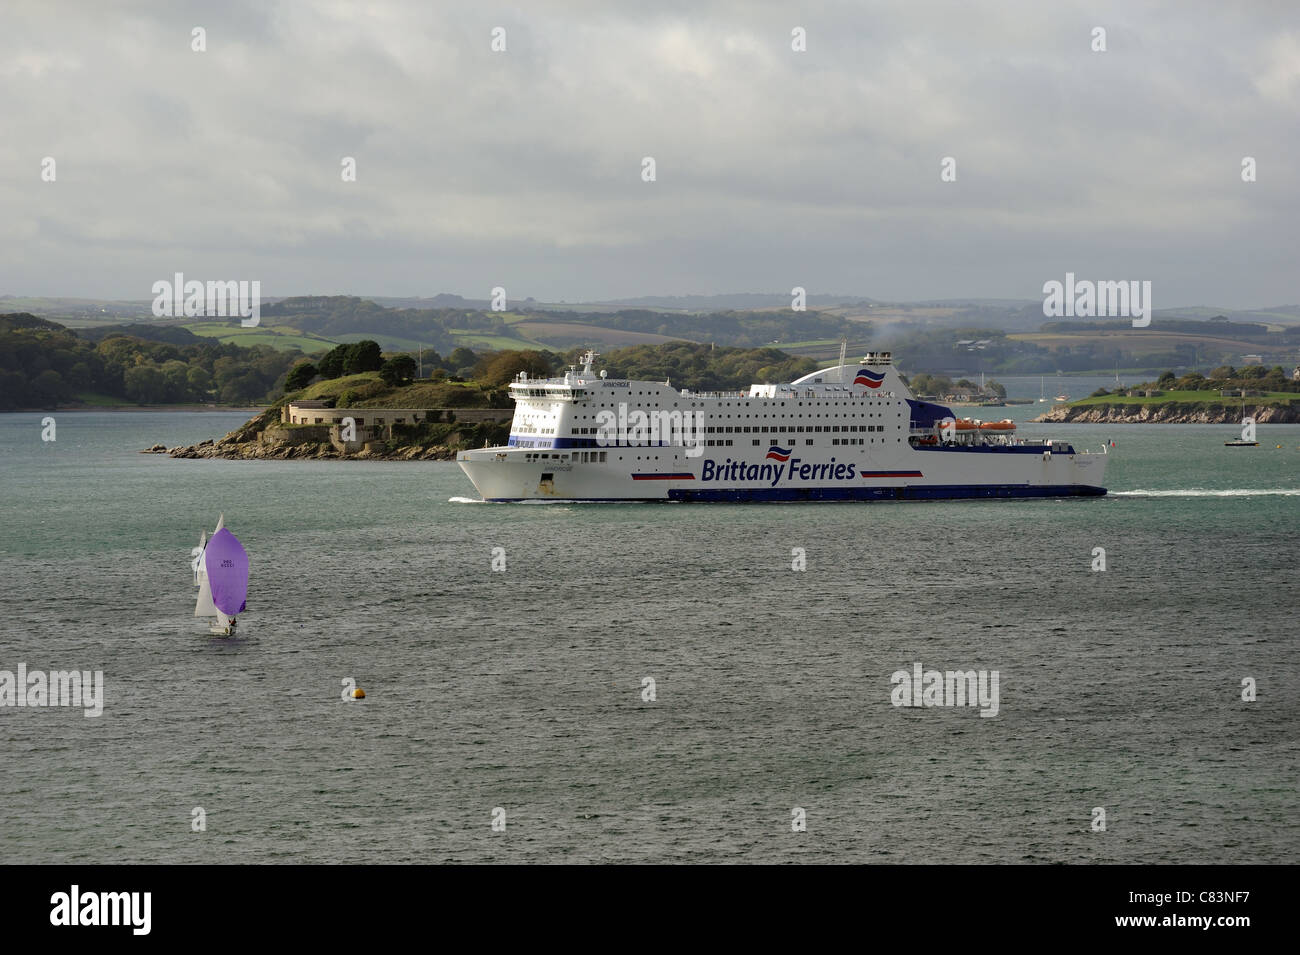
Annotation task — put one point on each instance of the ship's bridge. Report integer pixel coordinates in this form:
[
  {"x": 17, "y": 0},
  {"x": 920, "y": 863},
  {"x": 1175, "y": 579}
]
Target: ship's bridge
[
  {"x": 549, "y": 389},
  {"x": 573, "y": 386}
]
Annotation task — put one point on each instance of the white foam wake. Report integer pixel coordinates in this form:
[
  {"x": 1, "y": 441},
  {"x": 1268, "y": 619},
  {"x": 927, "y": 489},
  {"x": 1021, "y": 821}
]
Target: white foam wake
[{"x": 1206, "y": 492}]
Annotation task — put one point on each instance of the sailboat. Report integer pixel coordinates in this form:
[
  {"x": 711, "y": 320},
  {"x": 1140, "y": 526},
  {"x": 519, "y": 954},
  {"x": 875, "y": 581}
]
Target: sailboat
[
  {"x": 197, "y": 553},
  {"x": 1242, "y": 442},
  {"x": 222, "y": 575},
  {"x": 1042, "y": 389}
]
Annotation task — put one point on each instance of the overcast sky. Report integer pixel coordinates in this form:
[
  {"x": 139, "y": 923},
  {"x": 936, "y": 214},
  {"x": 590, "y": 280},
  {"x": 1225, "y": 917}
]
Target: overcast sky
[{"x": 775, "y": 168}]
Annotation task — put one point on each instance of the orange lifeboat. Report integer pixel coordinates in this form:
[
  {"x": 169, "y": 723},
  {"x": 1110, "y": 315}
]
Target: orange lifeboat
[
  {"x": 1006, "y": 424},
  {"x": 965, "y": 424}
]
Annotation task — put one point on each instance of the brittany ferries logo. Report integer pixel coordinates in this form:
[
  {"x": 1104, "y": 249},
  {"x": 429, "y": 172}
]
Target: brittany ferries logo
[
  {"x": 865, "y": 376},
  {"x": 786, "y": 469}
]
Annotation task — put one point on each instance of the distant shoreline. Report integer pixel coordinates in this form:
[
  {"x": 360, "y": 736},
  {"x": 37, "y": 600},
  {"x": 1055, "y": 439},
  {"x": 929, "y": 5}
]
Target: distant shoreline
[
  {"x": 227, "y": 409},
  {"x": 1167, "y": 413}
]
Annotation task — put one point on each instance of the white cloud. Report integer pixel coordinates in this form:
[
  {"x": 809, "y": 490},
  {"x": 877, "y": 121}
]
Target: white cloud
[{"x": 472, "y": 163}]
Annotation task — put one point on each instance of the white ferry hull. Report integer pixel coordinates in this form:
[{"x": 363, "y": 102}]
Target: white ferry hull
[
  {"x": 836, "y": 435},
  {"x": 501, "y": 474}
]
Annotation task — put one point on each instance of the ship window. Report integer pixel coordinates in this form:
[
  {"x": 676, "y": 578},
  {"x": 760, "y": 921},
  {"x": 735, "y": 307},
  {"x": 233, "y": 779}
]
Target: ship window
[
  {"x": 756, "y": 442},
  {"x": 808, "y": 441}
]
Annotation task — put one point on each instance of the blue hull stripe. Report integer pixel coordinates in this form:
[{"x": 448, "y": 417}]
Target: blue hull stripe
[
  {"x": 938, "y": 492},
  {"x": 861, "y": 493},
  {"x": 997, "y": 448}
]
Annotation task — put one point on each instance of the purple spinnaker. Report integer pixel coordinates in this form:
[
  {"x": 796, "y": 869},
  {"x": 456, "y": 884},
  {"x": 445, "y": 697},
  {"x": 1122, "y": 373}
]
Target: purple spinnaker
[{"x": 227, "y": 566}]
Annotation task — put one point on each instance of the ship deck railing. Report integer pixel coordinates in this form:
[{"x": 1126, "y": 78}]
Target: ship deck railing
[{"x": 834, "y": 391}]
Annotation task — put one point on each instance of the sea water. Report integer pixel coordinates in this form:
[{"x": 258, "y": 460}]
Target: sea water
[{"x": 647, "y": 682}]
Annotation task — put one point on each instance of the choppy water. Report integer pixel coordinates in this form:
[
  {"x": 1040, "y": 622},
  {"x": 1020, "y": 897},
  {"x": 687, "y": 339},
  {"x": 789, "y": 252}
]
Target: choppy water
[{"x": 522, "y": 689}]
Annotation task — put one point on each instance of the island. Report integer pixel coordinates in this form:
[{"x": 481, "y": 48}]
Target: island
[{"x": 1225, "y": 396}]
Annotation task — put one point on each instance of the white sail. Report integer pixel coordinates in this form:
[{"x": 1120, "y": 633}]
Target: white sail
[
  {"x": 205, "y": 607},
  {"x": 197, "y": 553}
]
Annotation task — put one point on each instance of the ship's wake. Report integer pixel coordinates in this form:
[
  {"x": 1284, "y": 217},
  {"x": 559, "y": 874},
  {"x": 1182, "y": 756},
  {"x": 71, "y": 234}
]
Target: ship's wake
[{"x": 1208, "y": 492}]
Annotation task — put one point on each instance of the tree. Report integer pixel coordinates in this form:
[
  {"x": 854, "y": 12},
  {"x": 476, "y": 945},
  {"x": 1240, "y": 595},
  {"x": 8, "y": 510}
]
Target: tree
[
  {"x": 300, "y": 376},
  {"x": 363, "y": 356},
  {"x": 80, "y": 377},
  {"x": 1166, "y": 380},
  {"x": 13, "y": 389},
  {"x": 924, "y": 384},
  {"x": 242, "y": 388},
  {"x": 502, "y": 367},
  {"x": 331, "y": 366},
  {"x": 176, "y": 380},
  {"x": 398, "y": 370},
  {"x": 200, "y": 382},
  {"x": 145, "y": 384},
  {"x": 460, "y": 358},
  {"x": 47, "y": 389}
]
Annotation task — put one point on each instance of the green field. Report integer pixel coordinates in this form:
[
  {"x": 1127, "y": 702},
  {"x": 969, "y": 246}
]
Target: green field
[
  {"x": 333, "y": 387},
  {"x": 389, "y": 343},
  {"x": 469, "y": 339},
  {"x": 1208, "y": 397},
  {"x": 276, "y": 337},
  {"x": 811, "y": 343}
]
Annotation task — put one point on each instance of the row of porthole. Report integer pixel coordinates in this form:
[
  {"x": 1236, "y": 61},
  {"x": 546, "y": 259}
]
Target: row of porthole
[
  {"x": 870, "y": 414},
  {"x": 799, "y": 404}
]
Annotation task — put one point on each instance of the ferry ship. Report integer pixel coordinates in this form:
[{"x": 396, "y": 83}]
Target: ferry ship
[{"x": 846, "y": 433}]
